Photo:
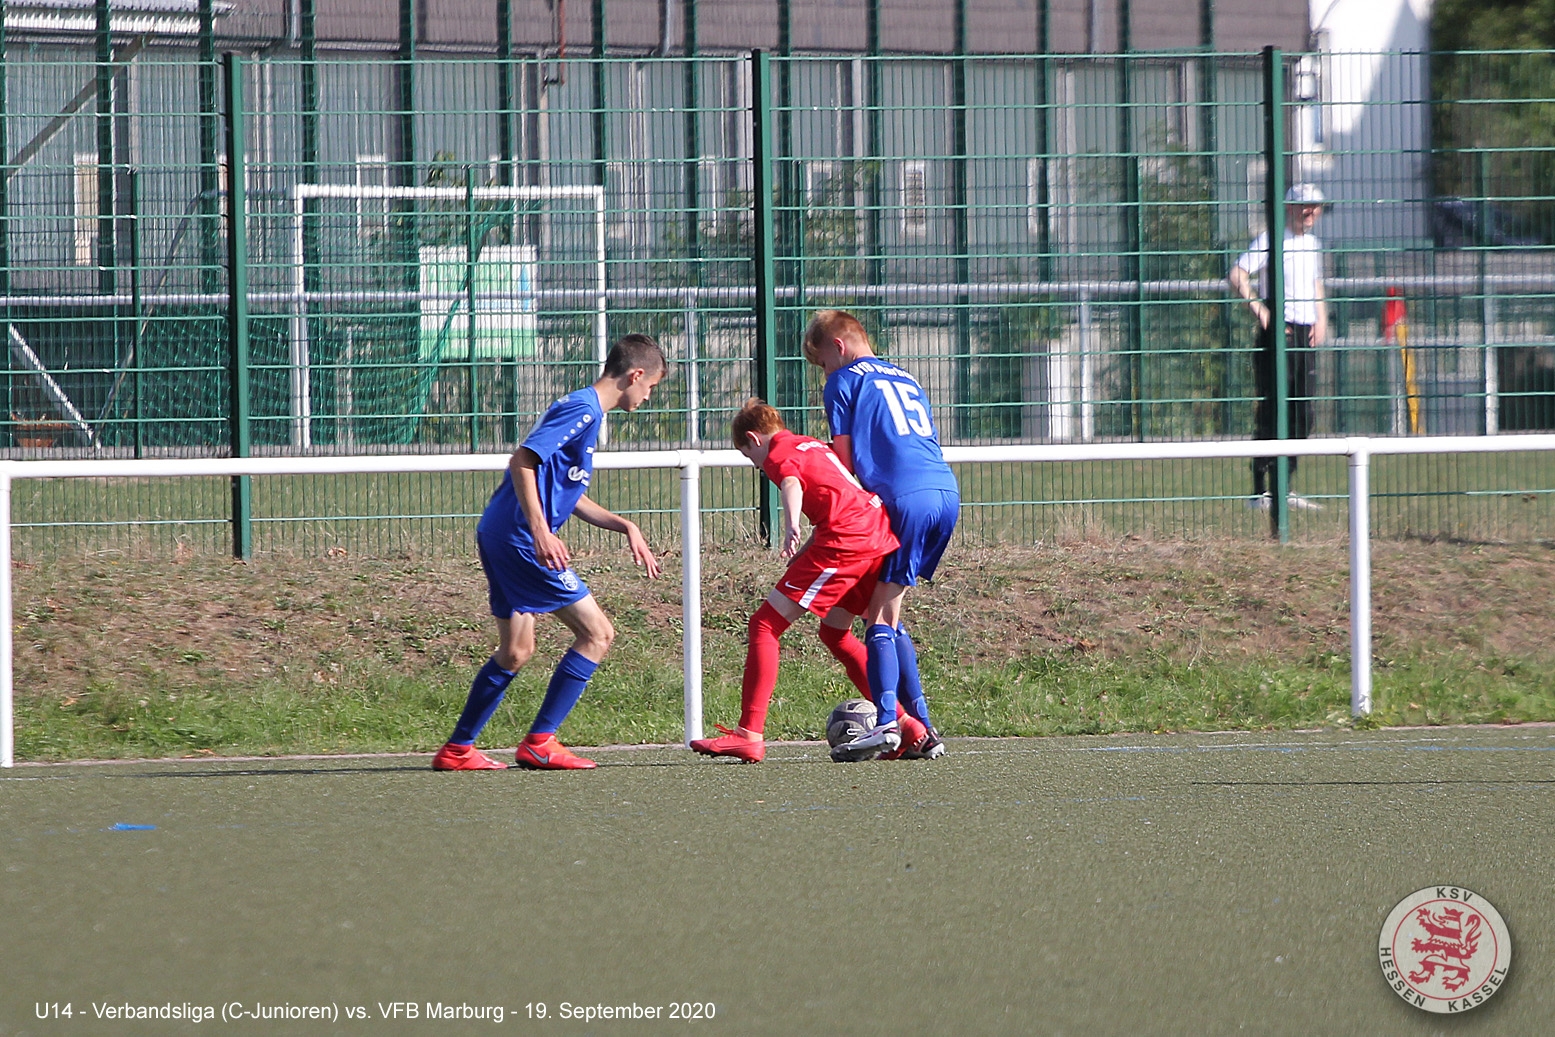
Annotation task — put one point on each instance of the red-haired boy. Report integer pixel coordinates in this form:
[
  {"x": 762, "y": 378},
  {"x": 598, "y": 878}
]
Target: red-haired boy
[{"x": 834, "y": 572}]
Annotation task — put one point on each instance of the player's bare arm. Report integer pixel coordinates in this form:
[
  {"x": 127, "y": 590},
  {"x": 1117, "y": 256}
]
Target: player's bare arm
[
  {"x": 603, "y": 518},
  {"x": 792, "y": 493},
  {"x": 549, "y": 548}
]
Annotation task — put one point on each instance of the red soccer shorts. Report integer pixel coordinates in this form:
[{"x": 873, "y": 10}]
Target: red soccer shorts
[{"x": 821, "y": 579}]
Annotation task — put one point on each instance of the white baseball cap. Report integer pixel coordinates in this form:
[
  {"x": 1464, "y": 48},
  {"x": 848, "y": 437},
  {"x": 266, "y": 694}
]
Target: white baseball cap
[{"x": 1304, "y": 194}]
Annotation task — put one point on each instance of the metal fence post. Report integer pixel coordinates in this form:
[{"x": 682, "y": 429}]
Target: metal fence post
[
  {"x": 106, "y": 262},
  {"x": 1360, "y": 580},
  {"x": 599, "y": 119},
  {"x": 961, "y": 233},
  {"x": 1274, "y": 220},
  {"x": 874, "y": 148},
  {"x": 1208, "y": 144},
  {"x": 136, "y": 312},
  {"x": 210, "y": 173},
  {"x": 1044, "y": 149},
  {"x": 5, "y": 193},
  {"x": 1133, "y": 230},
  {"x": 762, "y": 259},
  {"x": 691, "y": 588},
  {"x": 470, "y": 256},
  {"x": 237, "y": 309},
  {"x": 1487, "y": 301}
]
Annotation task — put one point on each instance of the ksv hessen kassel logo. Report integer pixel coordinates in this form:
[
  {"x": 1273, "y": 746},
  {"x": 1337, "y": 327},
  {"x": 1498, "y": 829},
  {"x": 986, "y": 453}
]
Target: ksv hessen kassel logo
[{"x": 1445, "y": 949}]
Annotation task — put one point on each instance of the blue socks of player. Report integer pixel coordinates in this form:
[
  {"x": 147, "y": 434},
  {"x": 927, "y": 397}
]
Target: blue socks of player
[
  {"x": 485, "y": 696},
  {"x": 911, "y": 685},
  {"x": 893, "y": 672},
  {"x": 567, "y": 684},
  {"x": 884, "y": 669}
]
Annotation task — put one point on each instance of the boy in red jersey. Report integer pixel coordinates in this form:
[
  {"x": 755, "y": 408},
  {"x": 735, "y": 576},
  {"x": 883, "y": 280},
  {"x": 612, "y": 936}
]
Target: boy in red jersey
[{"x": 835, "y": 569}]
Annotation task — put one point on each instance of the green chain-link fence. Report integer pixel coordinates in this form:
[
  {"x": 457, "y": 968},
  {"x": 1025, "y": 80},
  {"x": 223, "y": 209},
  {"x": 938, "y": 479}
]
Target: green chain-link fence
[{"x": 1044, "y": 240}]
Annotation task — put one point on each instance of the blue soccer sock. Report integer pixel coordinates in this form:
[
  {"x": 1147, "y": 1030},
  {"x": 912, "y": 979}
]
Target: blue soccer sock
[
  {"x": 884, "y": 671},
  {"x": 911, "y": 683},
  {"x": 486, "y": 692},
  {"x": 567, "y": 684}
]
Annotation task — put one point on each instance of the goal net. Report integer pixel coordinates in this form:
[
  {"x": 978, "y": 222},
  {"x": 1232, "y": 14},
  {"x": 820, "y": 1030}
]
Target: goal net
[{"x": 381, "y": 344}]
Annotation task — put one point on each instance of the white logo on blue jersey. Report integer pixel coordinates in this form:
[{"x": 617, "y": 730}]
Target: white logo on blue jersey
[{"x": 577, "y": 474}]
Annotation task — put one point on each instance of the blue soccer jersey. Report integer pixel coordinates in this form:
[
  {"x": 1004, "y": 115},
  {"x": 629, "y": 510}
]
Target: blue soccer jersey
[
  {"x": 564, "y": 441},
  {"x": 885, "y": 414}
]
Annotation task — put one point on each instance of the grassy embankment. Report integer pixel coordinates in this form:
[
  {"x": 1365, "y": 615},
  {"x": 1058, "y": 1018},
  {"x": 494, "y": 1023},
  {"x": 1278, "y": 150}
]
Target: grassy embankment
[{"x": 119, "y": 656}]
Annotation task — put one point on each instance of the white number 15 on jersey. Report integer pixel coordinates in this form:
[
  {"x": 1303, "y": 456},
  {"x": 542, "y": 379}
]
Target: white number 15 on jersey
[{"x": 907, "y": 412}]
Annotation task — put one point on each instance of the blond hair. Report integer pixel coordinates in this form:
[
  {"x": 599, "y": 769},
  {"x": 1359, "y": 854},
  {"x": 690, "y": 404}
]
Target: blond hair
[{"x": 827, "y": 325}]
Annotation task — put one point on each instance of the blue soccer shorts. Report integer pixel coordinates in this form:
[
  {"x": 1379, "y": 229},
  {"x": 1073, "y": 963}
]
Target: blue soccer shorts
[
  {"x": 923, "y": 522},
  {"x": 517, "y": 582}
]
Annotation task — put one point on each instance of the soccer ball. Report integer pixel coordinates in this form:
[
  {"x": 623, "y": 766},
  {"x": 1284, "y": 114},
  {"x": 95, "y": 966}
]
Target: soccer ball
[{"x": 849, "y": 720}]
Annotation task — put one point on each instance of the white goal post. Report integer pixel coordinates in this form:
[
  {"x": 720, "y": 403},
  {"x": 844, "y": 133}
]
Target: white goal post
[
  {"x": 300, "y": 358},
  {"x": 691, "y": 462}
]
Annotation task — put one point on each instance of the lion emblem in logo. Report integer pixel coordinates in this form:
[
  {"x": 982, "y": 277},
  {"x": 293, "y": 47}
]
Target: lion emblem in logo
[
  {"x": 1442, "y": 955},
  {"x": 1452, "y": 939}
]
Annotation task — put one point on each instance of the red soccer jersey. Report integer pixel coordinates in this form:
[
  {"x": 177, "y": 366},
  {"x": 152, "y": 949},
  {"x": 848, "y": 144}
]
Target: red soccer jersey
[{"x": 845, "y": 515}]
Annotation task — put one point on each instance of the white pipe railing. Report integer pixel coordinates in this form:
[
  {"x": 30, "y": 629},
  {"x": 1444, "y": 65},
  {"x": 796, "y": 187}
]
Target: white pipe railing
[{"x": 691, "y": 462}]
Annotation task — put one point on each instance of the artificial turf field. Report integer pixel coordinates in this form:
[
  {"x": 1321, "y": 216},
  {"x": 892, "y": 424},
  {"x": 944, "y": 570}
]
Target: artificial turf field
[{"x": 1170, "y": 884}]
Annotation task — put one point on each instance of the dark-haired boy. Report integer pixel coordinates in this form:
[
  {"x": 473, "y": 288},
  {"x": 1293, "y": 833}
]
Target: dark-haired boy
[{"x": 528, "y": 567}]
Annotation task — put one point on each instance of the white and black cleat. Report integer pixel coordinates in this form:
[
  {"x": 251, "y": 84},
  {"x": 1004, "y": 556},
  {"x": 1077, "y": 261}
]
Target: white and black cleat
[
  {"x": 867, "y": 746},
  {"x": 932, "y": 747}
]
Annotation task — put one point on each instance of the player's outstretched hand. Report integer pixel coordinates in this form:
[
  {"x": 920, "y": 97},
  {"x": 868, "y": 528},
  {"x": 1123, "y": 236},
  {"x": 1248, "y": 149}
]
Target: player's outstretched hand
[
  {"x": 641, "y": 551},
  {"x": 791, "y": 541},
  {"x": 551, "y": 551}
]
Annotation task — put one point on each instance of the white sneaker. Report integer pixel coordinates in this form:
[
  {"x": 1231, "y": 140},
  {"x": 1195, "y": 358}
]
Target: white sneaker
[
  {"x": 1302, "y": 504},
  {"x": 1259, "y": 503},
  {"x": 883, "y": 739}
]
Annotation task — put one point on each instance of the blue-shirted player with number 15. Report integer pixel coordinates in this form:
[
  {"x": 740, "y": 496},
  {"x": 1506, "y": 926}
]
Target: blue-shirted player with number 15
[
  {"x": 883, "y": 430},
  {"x": 529, "y": 569}
]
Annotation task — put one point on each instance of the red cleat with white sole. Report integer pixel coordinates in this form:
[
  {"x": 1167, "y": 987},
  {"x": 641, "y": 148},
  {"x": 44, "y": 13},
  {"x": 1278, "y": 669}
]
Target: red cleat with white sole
[
  {"x": 731, "y": 743},
  {"x": 913, "y": 732},
  {"x": 550, "y": 755},
  {"x": 453, "y": 757}
]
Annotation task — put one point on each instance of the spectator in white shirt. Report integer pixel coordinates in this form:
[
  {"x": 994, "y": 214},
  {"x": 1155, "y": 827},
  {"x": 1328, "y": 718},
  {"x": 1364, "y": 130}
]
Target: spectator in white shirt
[{"x": 1305, "y": 326}]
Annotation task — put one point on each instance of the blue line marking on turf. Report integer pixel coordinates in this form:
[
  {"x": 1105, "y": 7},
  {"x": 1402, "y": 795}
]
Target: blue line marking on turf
[
  {"x": 122, "y": 827},
  {"x": 1132, "y": 749}
]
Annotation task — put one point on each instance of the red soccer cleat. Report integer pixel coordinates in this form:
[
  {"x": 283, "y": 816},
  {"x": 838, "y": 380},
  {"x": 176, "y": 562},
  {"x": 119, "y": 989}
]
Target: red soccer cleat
[
  {"x": 913, "y": 732},
  {"x": 731, "y": 743},
  {"x": 550, "y": 755},
  {"x": 453, "y": 757}
]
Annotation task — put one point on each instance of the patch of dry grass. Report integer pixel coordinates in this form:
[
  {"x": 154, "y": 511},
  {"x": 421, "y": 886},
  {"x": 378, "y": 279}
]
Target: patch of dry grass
[{"x": 1130, "y": 614}]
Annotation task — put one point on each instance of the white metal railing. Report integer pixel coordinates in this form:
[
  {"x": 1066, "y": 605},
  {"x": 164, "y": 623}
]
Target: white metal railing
[{"x": 691, "y": 462}]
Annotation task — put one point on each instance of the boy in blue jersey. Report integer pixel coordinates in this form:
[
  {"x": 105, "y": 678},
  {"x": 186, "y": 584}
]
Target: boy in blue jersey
[
  {"x": 883, "y": 430},
  {"x": 528, "y": 567}
]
